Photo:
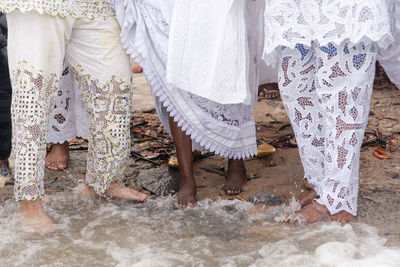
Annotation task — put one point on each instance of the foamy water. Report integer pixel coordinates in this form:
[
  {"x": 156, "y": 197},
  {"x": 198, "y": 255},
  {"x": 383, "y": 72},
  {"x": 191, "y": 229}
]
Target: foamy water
[{"x": 220, "y": 233}]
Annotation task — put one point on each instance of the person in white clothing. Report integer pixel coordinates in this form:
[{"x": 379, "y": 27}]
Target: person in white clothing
[
  {"x": 194, "y": 122},
  {"x": 41, "y": 34},
  {"x": 328, "y": 51}
]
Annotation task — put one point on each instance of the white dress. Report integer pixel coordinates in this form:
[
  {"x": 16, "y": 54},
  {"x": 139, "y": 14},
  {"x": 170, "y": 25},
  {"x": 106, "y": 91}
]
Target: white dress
[{"x": 227, "y": 130}]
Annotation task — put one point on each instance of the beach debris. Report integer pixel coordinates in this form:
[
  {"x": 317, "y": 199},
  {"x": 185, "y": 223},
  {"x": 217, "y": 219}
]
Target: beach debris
[
  {"x": 287, "y": 140},
  {"x": 264, "y": 149},
  {"x": 265, "y": 197},
  {"x": 197, "y": 155},
  {"x": 381, "y": 153},
  {"x": 394, "y": 144},
  {"x": 252, "y": 176},
  {"x": 162, "y": 181},
  {"x": 150, "y": 142},
  {"x": 3, "y": 181},
  {"x": 220, "y": 171}
]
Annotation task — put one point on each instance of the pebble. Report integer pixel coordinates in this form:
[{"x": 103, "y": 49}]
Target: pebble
[{"x": 265, "y": 197}]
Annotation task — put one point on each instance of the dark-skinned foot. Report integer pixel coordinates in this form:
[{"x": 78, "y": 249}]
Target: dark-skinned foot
[
  {"x": 186, "y": 197},
  {"x": 308, "y": 198},
  {"x": 237, "y": 178},
  {"x": 316, "y": 212}
]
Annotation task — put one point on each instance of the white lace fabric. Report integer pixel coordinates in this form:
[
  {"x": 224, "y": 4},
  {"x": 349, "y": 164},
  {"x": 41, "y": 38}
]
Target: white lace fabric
[
  {"x": 227, "y": 130},
  {"x": 68, "y": 118},
  {"x": 105, "y": 89},
  {"x": 76, "y": 8},
  {"x": 291, "y": 22},
  {"x": 326, "y": 91}
]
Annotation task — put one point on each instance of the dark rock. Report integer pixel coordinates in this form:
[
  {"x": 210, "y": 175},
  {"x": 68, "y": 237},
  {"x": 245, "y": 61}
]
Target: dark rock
[
  {"x": 162, "y": 181},
  {"x": 265, "y": 197}
]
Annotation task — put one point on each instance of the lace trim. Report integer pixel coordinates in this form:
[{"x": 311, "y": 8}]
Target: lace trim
[
  {"x": 137, "y": 50},
  {"x": 63, "y": 8},
  {"x": 289, "y": 22}
]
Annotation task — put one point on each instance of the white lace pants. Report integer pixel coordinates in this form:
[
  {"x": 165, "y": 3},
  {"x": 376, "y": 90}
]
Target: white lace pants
[
  {"x": 38, "y": 45},
  {"x": 326, "y": 91}
]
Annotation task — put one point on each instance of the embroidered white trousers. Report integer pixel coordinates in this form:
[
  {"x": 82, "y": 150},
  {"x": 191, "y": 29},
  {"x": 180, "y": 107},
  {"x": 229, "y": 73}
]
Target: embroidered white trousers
[
  {"x": 326, "y": 91},
  {"x": 38, "y": 45}
]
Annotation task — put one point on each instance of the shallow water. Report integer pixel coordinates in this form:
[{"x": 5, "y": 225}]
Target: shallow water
[{"x": 155, "y": 233}]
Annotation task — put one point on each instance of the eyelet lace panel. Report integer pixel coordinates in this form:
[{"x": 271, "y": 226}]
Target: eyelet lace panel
[
  {"x": 291, "y": 22},
  {"x": 76, "y": 8},
  {"x": 31, "y": 88},
  {"x": 326, "y": 91},
  {"x": 108, "y": 105}
]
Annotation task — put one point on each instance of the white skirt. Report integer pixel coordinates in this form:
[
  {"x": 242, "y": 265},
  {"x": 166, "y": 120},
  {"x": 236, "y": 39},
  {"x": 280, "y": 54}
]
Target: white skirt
[{"x": 227, "y": 130}]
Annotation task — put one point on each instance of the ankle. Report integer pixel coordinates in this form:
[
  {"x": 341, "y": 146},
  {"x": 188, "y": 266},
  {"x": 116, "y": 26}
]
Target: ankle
[{"x": 26, "y": 205}]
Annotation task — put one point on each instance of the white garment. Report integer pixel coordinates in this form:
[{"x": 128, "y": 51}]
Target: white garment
[
  {"x": 75, "y": 8},
  {"x": 227, "y": 130},
  {"x": 290, "y": 22},
  {"x": 208, "y": 50},
  {"x": 326, "y": 92},
  {"x": 268, "y": 73},
  {"x": 390, "y": 58},
  {"x": 37, "y": 46},
  {"x": 68, "y": 118}
]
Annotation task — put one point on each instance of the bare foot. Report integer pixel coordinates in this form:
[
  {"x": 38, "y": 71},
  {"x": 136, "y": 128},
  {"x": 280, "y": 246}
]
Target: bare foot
[
  {"x": 116, "y": 191},
  {"x": 237, "y": 178},
  {"x": 308, "y": 198},
  {"x": 57, "y": 158},
  {"x": 315, "y": 212},
  {"x": 186, "y": 196},
  {"x": 268, "y": 91},
  {"x": 136, "y": 68},
  {"x": 34, "y": 216}
]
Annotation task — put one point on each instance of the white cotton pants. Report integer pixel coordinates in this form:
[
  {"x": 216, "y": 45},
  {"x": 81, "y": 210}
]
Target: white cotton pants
[{"x": 37, "y": 46}]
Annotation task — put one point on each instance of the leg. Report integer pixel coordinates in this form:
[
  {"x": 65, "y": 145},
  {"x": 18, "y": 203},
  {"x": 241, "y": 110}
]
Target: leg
[
  {"x": 35, "y": 65},
  {"x": 5, "y": 117},
  {"x": 344, "y": 83},
  {"x": 187, "y": 184},
  {"x": 297, "y": 70},
  {"x": 237, "y": 178},
  {"x": 105, "y": 88}
]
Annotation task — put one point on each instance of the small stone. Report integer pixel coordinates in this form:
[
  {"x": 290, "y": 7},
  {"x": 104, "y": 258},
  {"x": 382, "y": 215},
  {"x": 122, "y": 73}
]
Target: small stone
[
  {"x": 397, "y": 176},
  {"x": 265, "y": 197},
  {"x": 161, "y": 181}
]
